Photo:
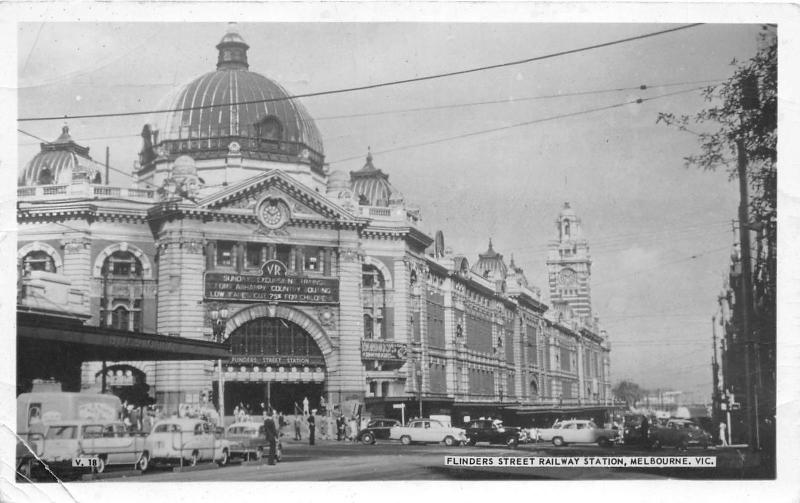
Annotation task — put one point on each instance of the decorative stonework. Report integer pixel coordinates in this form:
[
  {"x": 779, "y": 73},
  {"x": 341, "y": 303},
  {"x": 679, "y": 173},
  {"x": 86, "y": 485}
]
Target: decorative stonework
[
  {"x": 350, "y": 254},
  {"x": 192, "y": 245},
  {"x": 273, "y": 213},
  {"x": 75, "y": 244},
  {"x": 327, "y": 317}
]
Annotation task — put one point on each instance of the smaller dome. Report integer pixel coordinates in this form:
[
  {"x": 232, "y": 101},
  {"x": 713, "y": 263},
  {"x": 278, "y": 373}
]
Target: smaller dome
[
  {"x": 490, "y": 265},
  {"x": 184, "y": 166},
  {"x": 567, "y": 211},
  {"x": 60, "y": 162},
  {"x": 372, "y": 186}
]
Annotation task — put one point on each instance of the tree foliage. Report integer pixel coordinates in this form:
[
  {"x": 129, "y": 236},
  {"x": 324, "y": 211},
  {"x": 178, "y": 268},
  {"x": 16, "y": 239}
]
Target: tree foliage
[
  {"x": 629, "y": 392},
  {"x": 737, "y": 117}
]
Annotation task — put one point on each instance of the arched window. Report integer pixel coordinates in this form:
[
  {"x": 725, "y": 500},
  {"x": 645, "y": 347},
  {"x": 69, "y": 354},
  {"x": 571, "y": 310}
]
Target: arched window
[
  {"x": 373, "y": 295},
  {"x": 385, "y": 388},
  {"x": 38, "y": 261},
  {"x": 373, "y": 387},
  {"x": 368, "y": 328},
  {"x": 534, "y": 389},
  {"x": 120, "y": 318},
  {"x": 123, "y": 292},
  {"x": 270, "y": 128},
  {"x": 122, "y": 263},
  {"x": 45, "y": 177}
]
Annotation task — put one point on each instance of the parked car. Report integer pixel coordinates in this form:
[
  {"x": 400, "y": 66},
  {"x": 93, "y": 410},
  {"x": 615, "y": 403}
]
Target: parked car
[
  {"x": 247, "y": 441},
  {"x": 680, "y": 433},
  {"x": 578, "y": 431},
  {"x": 428, "y": 430},
  {"x": 192, "y": 440},
  {"x": 378, "y": 428},
  {"x": 632, "y": 433},
  {"x": 493, "y": 432},
  {"x": 112, "y": 444}
]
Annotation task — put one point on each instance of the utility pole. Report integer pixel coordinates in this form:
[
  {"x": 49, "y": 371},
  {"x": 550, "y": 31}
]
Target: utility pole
[
  {"x": 108, "y": 154},
  {"x": 715, "y": 398}
]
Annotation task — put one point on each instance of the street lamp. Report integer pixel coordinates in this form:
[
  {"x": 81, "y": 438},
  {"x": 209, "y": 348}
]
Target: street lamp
[{"x": 219, "y": 318}]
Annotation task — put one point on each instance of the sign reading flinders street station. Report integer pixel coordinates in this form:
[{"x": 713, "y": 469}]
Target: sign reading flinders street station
[{"x": 272, "y": 285}]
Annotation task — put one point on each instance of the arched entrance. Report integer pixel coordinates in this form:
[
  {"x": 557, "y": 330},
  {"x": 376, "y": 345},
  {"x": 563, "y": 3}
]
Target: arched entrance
[
  {"x": 128, "y": 383},
  {"x": 275, "y": 362}
]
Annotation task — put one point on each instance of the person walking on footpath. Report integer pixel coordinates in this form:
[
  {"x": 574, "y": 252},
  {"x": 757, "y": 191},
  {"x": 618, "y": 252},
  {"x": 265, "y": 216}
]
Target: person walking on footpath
[
  {"x": 311, "y": 427},
  {"x": 723, "y": 434},
  {"x": 305, "y": 405},
  {"x": 297, "y": 435},
  {"x": 271, "y": 432}
]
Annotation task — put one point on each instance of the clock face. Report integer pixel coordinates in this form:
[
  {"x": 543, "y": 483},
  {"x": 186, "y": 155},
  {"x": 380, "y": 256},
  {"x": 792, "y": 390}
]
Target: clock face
[
  {"x": 273, "y": 213},
  {"x": 567, "y": 277}
]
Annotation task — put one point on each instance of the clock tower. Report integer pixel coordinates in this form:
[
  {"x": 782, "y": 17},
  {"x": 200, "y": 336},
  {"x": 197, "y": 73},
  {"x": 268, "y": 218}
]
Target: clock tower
[{"x": 569, "y": 267}]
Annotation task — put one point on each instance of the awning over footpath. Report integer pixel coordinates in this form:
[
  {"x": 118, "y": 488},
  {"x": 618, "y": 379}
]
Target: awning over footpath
[
  {"x": 561, "y": 409},
  {"x": 39, "y": 335}
]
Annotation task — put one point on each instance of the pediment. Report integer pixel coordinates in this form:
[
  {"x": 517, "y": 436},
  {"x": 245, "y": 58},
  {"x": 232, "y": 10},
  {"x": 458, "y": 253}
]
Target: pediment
[{"x": 302, "y": 202}]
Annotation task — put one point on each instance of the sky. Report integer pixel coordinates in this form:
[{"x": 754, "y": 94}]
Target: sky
[{"x": 659, "y": 233}]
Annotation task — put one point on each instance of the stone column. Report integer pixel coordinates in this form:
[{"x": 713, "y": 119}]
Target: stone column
[
  {"x": 180, "y": 308},
  {"x": 520, "y": 346},
  {"x": 401, "y": 302},
  {"x": 450, "y": 338},
  {"x": 346, "y": 382},
  {"x": 581, "y": 375}
]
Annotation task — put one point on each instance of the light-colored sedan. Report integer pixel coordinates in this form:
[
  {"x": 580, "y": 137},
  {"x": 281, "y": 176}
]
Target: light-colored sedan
[
  {"x": 577, "y": 431},
  {"x": 192, "y": 440},
  {"x": 428, "y": 430},
  {"x": 247, "y": 440}
]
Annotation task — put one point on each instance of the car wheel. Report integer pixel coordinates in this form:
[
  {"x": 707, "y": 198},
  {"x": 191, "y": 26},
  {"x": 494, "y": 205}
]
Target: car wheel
[
  {"x": 405, "y": 440},
  {"x": 449, "y": 441},
  {"x": 655, "y": 444},
  {"x": 144, "y": 462},
  {"x": 367, "y": 439},
  {"x": 278, "y": 452},
  {"x": 101, "y": 464},
  {"x": 471, "y": 441},
  {"x": 683, "y": 446},
  {"x": 194, "y": 459},
  {"x": 512, "y": 442},
  {"x": 603, "y": 442},
  {"x": 558, "y": 441},
  {"x": 224, "y": 459}
]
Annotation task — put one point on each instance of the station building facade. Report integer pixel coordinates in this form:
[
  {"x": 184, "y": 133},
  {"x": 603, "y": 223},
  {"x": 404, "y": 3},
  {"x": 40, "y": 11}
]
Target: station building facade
[{"x": 325, "y": 284}]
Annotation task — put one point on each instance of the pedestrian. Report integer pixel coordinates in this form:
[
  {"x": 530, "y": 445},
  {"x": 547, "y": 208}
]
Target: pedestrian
[
  {"x": 339, "y": 428},
  {"x": 645, "y": 430},
  {"x": 271, "y": 432},
  {"x": 305, "y": 405},
  {"x": 723, "y": 434},
  {"x": 353, "y": 429},
  {"x": 311, "y": 427},
  {"x": 297, "y": 435}
]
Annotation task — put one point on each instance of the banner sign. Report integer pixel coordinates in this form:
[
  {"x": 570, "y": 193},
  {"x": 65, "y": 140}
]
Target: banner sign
[
  {"x": 383, "y": 350},
  {"x": 276, "y": 360},
  {"x": 272, "y": 285}
]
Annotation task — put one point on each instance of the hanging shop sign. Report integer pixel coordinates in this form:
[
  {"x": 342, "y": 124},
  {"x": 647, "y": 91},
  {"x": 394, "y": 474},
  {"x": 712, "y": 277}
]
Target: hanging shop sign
[{"x": 272, "y": 285}]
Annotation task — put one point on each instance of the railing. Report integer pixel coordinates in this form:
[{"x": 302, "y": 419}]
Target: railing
[{"x": 83, "y": 190}]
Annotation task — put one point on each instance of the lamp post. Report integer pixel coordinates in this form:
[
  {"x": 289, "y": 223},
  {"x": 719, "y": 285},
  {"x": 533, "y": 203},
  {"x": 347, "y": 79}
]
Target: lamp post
[{"x": 219, "y": 318}]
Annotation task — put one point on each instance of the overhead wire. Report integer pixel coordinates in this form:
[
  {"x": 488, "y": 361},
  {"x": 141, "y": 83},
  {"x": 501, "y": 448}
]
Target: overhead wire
[
  {"x": 640, "y": 87},
  {"x": 515, "y": 125},
  {"x": 372, "y": 86}
]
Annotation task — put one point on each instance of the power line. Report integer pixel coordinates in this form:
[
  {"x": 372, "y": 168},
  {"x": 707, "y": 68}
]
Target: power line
[
  {"x": 506, "y": 101},
  {"x": 517, "y": 125},
  {"x": 372, "y": 86}
]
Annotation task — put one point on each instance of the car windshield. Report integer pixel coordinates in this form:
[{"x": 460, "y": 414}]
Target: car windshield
[
  {"x": 61, "y": 432},
  {"x": 94, "y": 431}
]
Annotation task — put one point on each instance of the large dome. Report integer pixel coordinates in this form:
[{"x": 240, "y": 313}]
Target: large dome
[
  {"x": 490, "y": 265},
  {"x": 235, "y": 104}
]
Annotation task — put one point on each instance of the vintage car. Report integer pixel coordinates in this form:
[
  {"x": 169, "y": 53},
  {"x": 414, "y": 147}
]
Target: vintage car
[
  {"x": 377, "y": 429},
  {"x": 427, "y": 430},
  {"x": 191, "y": 440},
  {"x": 248, "y": 441},
  {"x": 493, "y": 432},
  {"x": 680, "y": 433},
  {"x": 108, "y": 443},
  {"x": 112, "y": 444},
  {"x": 576, "y": 431}
]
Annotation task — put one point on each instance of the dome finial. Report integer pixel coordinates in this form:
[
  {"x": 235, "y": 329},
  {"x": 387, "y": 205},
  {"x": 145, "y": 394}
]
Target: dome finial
[
  {"x": 490, "y": 244},
  {"x": 232, "y": 50},
  {"x": 369, "y": 165}
]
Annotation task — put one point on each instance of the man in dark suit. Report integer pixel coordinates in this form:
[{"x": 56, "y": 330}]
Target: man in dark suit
[{"x": 271, "y": 432}]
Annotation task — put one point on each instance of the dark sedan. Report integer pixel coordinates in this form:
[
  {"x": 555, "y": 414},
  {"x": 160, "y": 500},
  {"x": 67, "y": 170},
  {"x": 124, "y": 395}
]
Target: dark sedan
[
  {"x": 376, "y": 429},
  {"x": 493, "y": 432},
  {"x": 679, "y": 433}
]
